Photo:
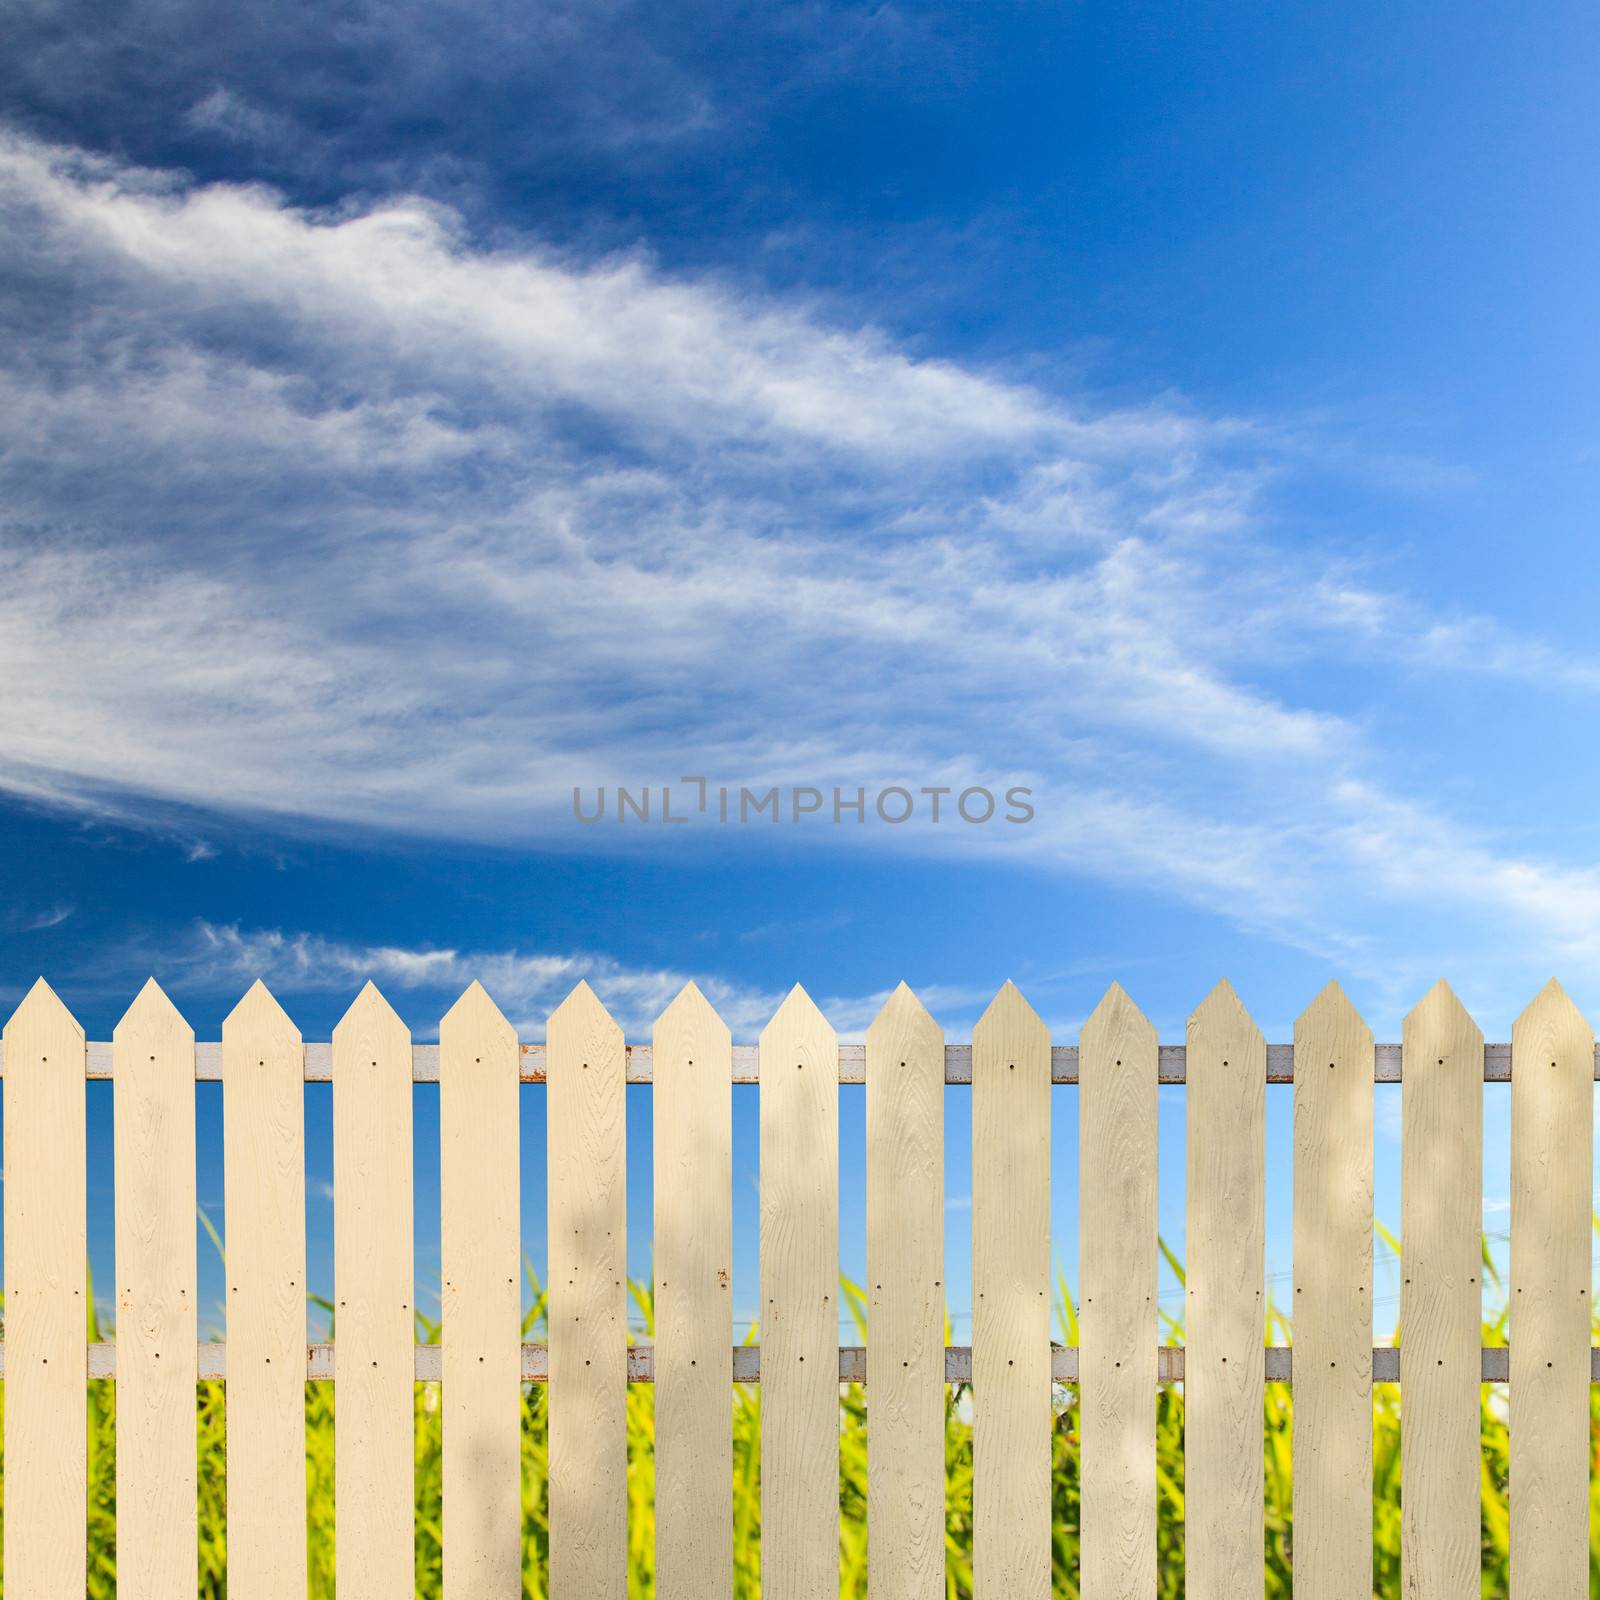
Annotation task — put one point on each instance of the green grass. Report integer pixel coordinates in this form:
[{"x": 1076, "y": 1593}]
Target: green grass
[{"x": 746, "y": 1421}]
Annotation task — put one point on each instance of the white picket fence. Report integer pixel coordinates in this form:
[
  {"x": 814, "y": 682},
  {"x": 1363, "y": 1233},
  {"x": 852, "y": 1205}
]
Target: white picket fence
[{"x": 799, "y": 1064}]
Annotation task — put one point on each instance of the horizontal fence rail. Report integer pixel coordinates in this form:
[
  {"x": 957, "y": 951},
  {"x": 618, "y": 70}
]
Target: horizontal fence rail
[
  {"x": 1171, "y": 1063},
  {"x": 211, "y": 1358}
]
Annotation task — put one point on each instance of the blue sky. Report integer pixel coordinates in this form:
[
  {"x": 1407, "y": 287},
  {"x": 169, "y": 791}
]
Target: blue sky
[{"x": 1184, "y": 412}]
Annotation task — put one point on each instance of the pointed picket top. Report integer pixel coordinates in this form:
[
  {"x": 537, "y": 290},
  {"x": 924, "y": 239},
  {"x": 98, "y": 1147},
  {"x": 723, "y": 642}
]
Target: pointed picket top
[
  {"x": 1223, "y": 1009},
  {"x": 1223, "y": 1036},
  {"x": 1441, "y": 1015},
  {"x": 477, "y": 1046},
  {"x": 798, "y": 1013},
  {"x": 1554, "y": 1002},
  {"x": 1439, "y": 1036},
  {"x": 475, "y": 1010},
  {"x": 903, "y": 1016},
  {"x": 798, "y": 1033},
  {"x": 259, "y": 1012},
  {"x": 581, "y": 1009},
  {"x": 42, "y": 1008},
  {"x": 582, "y": 1032},
  {"x": 1332, "y": 1010},
  {"x": 372, "y": 1015},
  {"x": 1115, "y": 1017},
  {"x": 1553, "y": 1017},
  {"x": 690, "y": 1009},
  {"x": 1008, "y": 1009},
  {"x": 150, "y": 1015}
]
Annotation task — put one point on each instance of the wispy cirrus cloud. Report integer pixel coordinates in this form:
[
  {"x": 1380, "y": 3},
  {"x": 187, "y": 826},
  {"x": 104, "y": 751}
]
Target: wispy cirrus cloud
[
  {"x": 353, "y": 516},
  {"x": 35, "y": 918},
  {"x": 527, "y": 985}
]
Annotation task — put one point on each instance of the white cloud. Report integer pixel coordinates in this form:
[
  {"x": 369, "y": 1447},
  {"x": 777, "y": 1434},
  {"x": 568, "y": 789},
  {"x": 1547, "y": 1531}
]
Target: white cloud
[
  {"x": 354, "y": 517},
  {"x": 52, "y": 917},
  {"x": 399, "y": 289},
  {"x": 21, "y": 918},
  {"x": 526, "y": 985},
  {"x": 1474, "y": 645},
  {"x": 226, "y": 112}
]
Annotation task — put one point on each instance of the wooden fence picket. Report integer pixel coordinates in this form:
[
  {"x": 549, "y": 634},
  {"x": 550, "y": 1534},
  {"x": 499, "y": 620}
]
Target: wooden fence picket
[
  {"x": 1441, "y": 1304},
  {"x": 799, "y": 1304},
  {"x": 1117, "y": 1088},
  {"x": 264, "y": 1204},
  {"x": 1011, "y": 1380},
  {"x": 480, "y": 1259},
  {"x": 1332, "y": 1492},
  {"x": 46, "y": 1317},
  {"x": 157, "y": 1518},
  {"x": 586, "y": 1122},
  {"x": 1552, "y": 1183},
  {"x": 375, "y": 1322},
  {"x": 1440, "y": 1300},
  {"x": 1225, "y": 1336},
  {"x": 906, "y": 1300},
  {"x": 693, "y": 1134}
]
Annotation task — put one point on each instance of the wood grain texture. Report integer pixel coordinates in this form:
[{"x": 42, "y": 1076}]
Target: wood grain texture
[
  {"x": 1225, "y": 1338},
  {"x": 906, "y": 1300},
  {"x": 157, "y": 1518},
  {"x": 588, "y": 1302},
  {"x": 264, "y": 1190},
  {"x": 1552, "y": 1179},
  {"x": 480, "y": 1259},
  {"x": 799, "y": 1304},
  {"x": 46, "y": 1312},
  {"x": 1011, "y": 1400},
  {"x": 1117, "y": 1319},
  {"x": 375, "y": 1325},
  {"x": 1332, "y": 1493},
  {"x": 1441, "y": 1299},
  {"x": 693, "y": 1133}
]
